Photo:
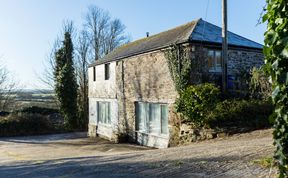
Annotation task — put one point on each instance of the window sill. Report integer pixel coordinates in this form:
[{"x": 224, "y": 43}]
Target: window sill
[
  {"x": 164, "y": 136},
  {"x": 104, "y": 125},
  {"x": 215, "y": 71}
]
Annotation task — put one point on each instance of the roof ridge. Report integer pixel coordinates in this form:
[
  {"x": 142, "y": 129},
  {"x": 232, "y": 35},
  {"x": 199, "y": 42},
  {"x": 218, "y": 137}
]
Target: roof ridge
[
  {"x": 196, "y": 23},
  {"x": 173, "y": 28}
]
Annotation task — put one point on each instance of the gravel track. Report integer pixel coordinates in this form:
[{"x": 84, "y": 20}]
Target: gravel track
[{"x": 73, "y": 155}]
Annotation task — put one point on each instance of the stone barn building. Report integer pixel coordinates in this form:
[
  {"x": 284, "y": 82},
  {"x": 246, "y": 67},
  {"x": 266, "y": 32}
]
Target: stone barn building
[{"x": 131, "y": 93}]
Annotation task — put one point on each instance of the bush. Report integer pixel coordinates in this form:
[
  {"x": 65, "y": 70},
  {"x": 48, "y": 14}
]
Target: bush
[
  {"x": 38, "y": 110},
  {"x": 196, "y": 101},
  {"x": 17, "y": 124},
  {"x": 244, "y": 114},
  {"x": 259, "y": 85}
]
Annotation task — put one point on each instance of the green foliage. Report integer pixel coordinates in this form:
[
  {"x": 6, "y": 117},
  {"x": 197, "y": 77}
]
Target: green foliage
[
  {"x": 179, "y": 65},
  {"x": 65, "y": 83},
  {"x": 83, "y": 110},
  {"x": 260, "y": 87},
  {"x": 196, "y": 101},
  {"x": 38, "y": 110},
  {"x": 242, "y": 114},
  {"x": 266, "y": 162},
  {"x": 276, "y": 53},
  {"x": 17, "y": 124}
]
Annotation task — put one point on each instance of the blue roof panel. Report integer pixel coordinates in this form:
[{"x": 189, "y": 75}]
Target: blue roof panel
[{"x": 207, "y": 32}]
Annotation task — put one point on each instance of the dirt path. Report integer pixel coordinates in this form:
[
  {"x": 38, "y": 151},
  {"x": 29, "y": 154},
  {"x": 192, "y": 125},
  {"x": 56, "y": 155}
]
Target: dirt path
[{"x": 71, "y": 155}]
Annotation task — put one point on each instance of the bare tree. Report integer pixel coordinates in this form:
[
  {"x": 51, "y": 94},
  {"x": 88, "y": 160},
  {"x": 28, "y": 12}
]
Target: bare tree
[
  {"x": 82, "y": 55},
  {"x": 47, "y": 76},
  {"x": 8, "y": 88},
  {"x": 100, "y": 35},
  {"x": 115, "y": 36},
  {"x": 96, "y": 24},
  {"x": 104, "y": 34}
]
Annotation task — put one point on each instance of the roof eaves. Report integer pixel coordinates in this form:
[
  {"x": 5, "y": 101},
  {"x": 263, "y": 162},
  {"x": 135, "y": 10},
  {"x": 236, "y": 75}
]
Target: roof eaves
[{"x": 99, "y": 62}]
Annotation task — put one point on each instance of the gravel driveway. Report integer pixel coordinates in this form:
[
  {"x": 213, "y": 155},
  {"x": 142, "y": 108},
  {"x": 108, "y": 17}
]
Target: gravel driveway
[{"x": 74, "y": 155}]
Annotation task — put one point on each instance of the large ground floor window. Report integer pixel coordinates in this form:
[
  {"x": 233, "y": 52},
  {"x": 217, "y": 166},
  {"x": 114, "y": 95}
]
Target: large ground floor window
[
  {"x": 152, "y": 118},
  {"x": 103, "y": 112}
]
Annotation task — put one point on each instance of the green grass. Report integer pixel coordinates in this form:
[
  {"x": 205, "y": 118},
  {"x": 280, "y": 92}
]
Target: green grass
[{"x": 266, "y": 162}]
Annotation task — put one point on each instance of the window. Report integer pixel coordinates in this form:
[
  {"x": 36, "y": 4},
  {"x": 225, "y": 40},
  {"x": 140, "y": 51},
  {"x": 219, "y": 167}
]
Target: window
[
  {"x": 152, "y": 118},
  {"x": 103, "y": 112},
  {"x": 94, "y": 73},
  {"x": 214, "y": 61},
  {"x": 107, "y": 71}
]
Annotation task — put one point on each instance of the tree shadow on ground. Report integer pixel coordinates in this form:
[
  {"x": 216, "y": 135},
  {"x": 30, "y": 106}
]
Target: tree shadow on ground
[
  {"x": 127, "y": 165},
  {"x": 39, "y": 139}
]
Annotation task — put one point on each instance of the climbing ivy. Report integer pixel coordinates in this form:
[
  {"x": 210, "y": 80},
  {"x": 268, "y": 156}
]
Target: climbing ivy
[
  {"x": 179, "y": 65},
  {"x": 276, "y": 60}
]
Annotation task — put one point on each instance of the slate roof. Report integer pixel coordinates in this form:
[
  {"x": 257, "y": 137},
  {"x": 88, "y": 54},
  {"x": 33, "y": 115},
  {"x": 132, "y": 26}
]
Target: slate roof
[
  {"x": 195, "y": 31},
  {"x": 208, "y": 32}
]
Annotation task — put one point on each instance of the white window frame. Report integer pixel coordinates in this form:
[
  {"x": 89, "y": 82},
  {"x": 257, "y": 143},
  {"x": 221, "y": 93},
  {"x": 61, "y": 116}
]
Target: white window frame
[
  {"x": 147, "y": 120},
  {"x": 107, "y": 121}
]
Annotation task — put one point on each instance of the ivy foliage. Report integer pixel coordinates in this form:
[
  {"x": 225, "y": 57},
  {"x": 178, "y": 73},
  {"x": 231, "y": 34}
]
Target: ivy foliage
[
  {"x": 276, "y": 60},
  {"x": 180, "y": 66},
  {"x": 196, "y": 101},
  {"x": 259, "y": 85},
  {"x": 65, "y": 83}
]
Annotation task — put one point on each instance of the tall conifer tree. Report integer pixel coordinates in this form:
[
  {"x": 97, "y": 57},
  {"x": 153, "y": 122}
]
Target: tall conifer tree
[{"x": 65, "y": 82}]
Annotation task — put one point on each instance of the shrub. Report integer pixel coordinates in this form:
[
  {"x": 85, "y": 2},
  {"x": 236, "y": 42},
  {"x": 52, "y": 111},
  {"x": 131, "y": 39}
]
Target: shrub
[
  {"x": 249, "y": 114},
  {"x": 38, "y": 110},
  {"x": 259, "y": 84},
  {"x": 196, "y": 101},
  {"x": 25, "y": 124}
]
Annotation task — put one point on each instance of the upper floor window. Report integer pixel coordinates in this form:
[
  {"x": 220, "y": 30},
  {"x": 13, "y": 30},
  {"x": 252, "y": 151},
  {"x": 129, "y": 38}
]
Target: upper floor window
[
  {"x": 94, "y": 73},
  {"x": 107, "y": 71},
  {"x": 214, "y": 61}
]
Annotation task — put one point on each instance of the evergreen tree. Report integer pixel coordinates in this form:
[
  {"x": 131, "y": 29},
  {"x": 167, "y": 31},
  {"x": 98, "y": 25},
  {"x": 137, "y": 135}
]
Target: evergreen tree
[{"x": 65, "y": 83}]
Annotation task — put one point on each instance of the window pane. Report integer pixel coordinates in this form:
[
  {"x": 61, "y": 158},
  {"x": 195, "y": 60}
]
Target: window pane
[
  {"x": 154, "y": 119},
  {"x": 99, "y": 112},
  {"x": 108, "y": 113},
  {"x": 103, "y": 112},
  {"x": 218, "y": 60},
  {"x": 164, "y": 119},
  {"x": 141, "y": 117},
  {"x": 211, "y": 61}
]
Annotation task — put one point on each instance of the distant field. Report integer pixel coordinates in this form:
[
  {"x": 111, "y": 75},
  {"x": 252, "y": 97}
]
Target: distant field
[{"x": 40, "y": 98}]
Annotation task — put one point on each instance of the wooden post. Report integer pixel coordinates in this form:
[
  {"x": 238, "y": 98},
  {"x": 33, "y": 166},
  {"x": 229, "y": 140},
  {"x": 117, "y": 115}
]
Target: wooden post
[{"x": 224, "y": 46}]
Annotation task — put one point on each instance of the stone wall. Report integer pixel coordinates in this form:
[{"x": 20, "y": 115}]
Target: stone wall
[
  {"x": 143, "y": 78},
  {"x": 188, "y": 133},
  {"x": 240, "y": 62},
  {"x": 243, "y": 61}
]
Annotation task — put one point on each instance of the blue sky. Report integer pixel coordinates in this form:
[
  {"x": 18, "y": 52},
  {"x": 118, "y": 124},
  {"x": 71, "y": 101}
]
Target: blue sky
[{"x": 28, "y": 28}]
